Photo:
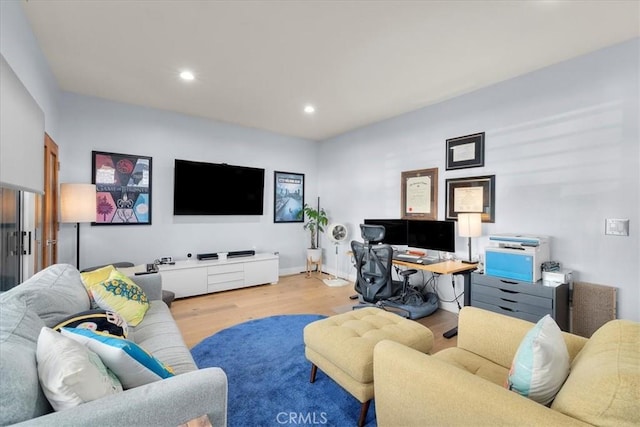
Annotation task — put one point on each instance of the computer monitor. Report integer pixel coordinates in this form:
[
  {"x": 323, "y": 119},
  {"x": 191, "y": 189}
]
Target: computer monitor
[
  {"x": 433, "y": 235},
  {"x": 395, "y": 230}
]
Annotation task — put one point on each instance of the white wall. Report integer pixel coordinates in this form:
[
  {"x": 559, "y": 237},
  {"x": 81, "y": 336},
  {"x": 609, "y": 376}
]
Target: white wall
[
  {"x": 563, "y": 143},
  {"x": 21, "y": 50},
  {"x": 94, "y": 124}
]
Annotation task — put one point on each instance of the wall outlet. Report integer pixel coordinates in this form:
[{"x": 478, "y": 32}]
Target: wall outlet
[{"x": 616, "y": 227}]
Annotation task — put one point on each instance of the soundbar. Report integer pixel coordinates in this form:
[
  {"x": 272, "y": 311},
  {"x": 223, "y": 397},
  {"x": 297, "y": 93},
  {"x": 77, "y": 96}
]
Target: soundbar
[
  {"x": 232, "y": 254},
  {"x": 235, "y": 254},
  {"x": 207, "y": 256}
]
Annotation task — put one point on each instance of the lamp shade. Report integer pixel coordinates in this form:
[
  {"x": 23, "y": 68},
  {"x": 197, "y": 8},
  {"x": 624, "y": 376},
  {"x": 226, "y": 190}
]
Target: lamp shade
[
  {"x": 77, "y": 202},
  {"x": 469, "y": 224}
]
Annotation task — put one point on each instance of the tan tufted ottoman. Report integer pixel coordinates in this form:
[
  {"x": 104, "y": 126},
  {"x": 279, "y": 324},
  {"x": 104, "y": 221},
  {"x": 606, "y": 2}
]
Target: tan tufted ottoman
[{"x": 342, "y": 347}]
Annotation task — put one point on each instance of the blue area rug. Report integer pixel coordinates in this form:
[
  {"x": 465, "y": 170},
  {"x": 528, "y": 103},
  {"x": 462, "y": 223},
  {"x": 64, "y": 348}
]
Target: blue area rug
[{"x": 269, "y": 376}]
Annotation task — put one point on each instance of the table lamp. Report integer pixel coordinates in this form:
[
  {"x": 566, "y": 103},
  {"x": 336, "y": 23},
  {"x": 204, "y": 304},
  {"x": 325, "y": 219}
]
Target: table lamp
[
  {"x": 77, "y": 204},
  {"x": 469, "y": 225}
]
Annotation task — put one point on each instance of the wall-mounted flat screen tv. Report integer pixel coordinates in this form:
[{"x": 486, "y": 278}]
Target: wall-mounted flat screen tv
[{"x": 217, "y": 189}]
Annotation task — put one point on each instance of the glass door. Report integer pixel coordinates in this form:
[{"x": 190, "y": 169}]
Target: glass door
[{"x": 10, "y": 235}]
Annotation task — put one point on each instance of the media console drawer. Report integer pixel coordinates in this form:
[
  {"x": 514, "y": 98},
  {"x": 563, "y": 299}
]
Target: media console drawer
[{"x": 525, "y": 300}]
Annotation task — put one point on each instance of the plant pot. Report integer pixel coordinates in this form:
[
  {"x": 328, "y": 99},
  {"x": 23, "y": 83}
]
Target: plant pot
[{"x": 314, "y": 254}]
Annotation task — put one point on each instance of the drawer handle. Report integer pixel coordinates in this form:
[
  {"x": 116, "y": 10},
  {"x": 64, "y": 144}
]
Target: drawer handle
[
  {"x": 509, "y": 291},
  {"x": 507, "y": 308},
  {"x": 509, "y": 282},
  {"x": 508, "y": 300}
]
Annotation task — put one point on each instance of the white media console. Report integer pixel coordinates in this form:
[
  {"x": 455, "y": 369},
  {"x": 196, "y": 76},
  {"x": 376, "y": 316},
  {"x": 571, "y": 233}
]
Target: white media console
[{"x": 189, "y": 278}]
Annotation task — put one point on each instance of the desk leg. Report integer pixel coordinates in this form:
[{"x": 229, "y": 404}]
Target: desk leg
[{"x": 466, "y": 301}]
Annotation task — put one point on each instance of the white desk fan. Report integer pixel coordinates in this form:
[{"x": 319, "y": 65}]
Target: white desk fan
[{"x": 337, "y": 233}]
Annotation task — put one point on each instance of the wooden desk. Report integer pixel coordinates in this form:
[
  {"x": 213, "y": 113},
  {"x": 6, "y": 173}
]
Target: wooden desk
[
  {"x": 447, "y": 267},
  {"x": 444, "y": 267}
]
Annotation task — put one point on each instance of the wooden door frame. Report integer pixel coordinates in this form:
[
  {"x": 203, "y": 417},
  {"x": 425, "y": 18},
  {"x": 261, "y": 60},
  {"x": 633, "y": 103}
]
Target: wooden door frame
[{"x": 48, "y": 210}]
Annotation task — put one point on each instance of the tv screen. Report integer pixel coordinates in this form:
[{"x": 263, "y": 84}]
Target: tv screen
[
  {"x": 395, "y": 230},
  {"x": 434, "y": 235},
  {"x": 217, "y": 189}
]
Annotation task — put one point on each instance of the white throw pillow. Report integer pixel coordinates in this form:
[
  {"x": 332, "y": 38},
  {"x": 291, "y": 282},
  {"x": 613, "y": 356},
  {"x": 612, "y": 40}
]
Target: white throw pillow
[
  {"x": 71, "y": 374},
  {"x": 541, "y": 364},
  {"x": 133, "y": 365}
]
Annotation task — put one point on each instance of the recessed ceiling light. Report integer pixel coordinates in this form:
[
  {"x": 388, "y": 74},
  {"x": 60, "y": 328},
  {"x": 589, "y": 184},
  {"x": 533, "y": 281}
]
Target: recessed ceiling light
[
  {"x": 187, "y": 75},
  {"x": 309, "y": 109}
]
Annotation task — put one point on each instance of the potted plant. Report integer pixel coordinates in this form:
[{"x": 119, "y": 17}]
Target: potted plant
[{"x": 316, "y": 220}]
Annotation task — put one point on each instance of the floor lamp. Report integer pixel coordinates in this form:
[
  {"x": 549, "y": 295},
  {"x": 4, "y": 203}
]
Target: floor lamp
[
  {"x": 469, "y": 225},
  {"x": 77, "y": 204}
]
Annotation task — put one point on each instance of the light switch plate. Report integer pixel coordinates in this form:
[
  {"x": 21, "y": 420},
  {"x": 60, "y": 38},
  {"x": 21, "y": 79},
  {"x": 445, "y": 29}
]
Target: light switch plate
[{"x": 616, "y": 227}]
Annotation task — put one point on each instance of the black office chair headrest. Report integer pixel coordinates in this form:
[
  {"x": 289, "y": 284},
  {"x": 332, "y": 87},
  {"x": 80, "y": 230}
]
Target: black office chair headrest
[{"x": 372, "y": 233}]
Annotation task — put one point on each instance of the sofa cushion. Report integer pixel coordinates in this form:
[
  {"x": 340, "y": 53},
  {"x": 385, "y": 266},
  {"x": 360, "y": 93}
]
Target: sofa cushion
[
  {"x": 604, "y": 385},
  {"x": 132, "y": 364},
  {"x": 159, "y": 334},
  {"x": 70, "y": 373},
  {"x": 54, "y": 293},
  {"x": 541, "y": 363},
  {"x": 21, "y": 397},
  {"x": 474, "y": 364},
  {"x": 120, "y": 294}
]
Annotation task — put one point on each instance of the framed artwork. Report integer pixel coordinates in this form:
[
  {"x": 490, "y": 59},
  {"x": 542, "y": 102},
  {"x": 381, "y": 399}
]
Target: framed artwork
[
  {"x": 123, "y": 188},
  {"x": 465, "y": 151},
  {"x": 476, "y": 194},
  {"x": 288, "y": 197},
  {"x": 420, "y": 194}
]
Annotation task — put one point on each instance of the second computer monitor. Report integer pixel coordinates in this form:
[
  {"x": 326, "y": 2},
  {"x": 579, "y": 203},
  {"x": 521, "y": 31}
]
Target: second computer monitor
[{"x": 433, "y": 235}]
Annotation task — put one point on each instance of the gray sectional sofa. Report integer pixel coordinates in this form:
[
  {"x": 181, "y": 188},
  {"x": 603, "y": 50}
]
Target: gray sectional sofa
[{"x": 57, "y": 293}]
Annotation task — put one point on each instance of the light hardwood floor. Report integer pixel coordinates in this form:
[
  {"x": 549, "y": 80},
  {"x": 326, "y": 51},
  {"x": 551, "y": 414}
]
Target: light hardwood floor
[{"x": 202, "y": 316}]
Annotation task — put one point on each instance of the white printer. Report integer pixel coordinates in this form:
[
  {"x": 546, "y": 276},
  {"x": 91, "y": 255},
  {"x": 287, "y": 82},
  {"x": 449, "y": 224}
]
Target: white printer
[{"x": 516, "y": 256}]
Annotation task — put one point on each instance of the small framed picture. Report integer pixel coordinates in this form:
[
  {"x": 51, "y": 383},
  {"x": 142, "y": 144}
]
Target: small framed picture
[
  {"x": 465, "y": 151},
  {"x": 474, "y": 194},
  {"x": 288, "y": 197}
]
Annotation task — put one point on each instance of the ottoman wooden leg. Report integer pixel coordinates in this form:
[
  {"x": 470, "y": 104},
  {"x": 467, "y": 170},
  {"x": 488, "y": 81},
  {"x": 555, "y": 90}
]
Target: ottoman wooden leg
[
  {"x": 314, "y": 369},
  {"x": 363, "y": 413}
]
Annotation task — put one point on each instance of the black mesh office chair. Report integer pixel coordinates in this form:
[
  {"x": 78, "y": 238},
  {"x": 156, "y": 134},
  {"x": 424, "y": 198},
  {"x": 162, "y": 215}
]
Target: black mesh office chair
[
  {"x": 373, "y": 263},
  {"x": 374, "y": 282}
]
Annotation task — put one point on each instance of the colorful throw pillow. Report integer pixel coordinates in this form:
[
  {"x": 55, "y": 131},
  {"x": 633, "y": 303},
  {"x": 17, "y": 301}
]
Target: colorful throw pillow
[
  {"x": 120, "y": 294},
  {"x": 93, "y": 278},
  {"x": 71, "y": 374},
  {"x": 541, "y": 364},
  {"x": 104, "y": 321},
  {"x": 131, "y": 363}
]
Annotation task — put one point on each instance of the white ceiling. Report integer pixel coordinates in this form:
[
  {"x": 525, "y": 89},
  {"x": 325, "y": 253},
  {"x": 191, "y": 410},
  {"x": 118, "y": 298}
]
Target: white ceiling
[{"x": 257, "y": 63}]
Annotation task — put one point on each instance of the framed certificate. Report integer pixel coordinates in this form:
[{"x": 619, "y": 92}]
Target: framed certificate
[
  {"x": 465, "y": 151},
  {"x": 475, "y": 194},
  {"x": 420, "y": 194}
]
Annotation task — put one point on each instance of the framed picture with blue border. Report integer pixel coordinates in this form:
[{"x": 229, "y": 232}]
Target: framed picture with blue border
[
  {"x": 288, "y": 197},
  {"x": 123, "y": 188}
]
